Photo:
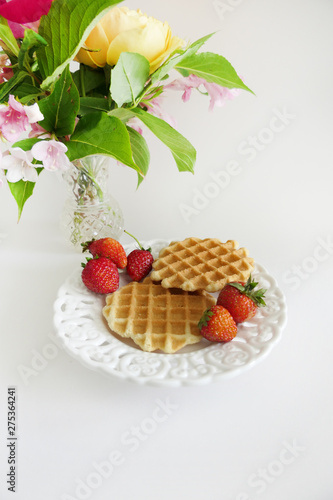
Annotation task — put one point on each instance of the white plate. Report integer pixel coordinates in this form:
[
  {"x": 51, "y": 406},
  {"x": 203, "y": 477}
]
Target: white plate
[{"x": 84, "y": 334}]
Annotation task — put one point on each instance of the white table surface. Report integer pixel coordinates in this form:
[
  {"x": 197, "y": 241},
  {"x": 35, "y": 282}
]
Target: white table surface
[{"x": 263, "y": 435}]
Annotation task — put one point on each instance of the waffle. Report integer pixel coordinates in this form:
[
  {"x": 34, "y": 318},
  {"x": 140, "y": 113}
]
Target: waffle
[
  {"x": 156, "y": 317},
  {"x": 195, "y": 264}
]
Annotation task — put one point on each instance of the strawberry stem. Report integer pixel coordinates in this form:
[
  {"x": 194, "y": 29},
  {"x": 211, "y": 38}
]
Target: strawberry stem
[
  {"x": 249, "y": 290},
  {"x": 204, "y": 320},
  {"x": 85, "y": 246},
  {"x": 129, "y": 234}
]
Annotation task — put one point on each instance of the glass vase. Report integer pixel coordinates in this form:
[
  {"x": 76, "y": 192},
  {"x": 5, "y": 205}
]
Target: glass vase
[{"x": 90, "y": 211}]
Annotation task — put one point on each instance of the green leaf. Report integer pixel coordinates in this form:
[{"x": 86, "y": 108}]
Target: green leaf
[
  {"x": 181, "y": 149},
  {"x": 6, "y": 88},
  {"x": 26, "y": 92},
  {"x": 31, "y": 42},
  {"x": 66, "y": 28},
  {"x": 129, "y": 77},
  {"x": 183, "y": 72},
  {"x": 213, "y": 68},
  {"x": 89, "y": 104},
  {"x": 140, "y": 150},
  {"x": 87, "y": 79},
  {"x": 26, "y": 144},
  {"x": 21, "y": 190},
  {"x": 122, "y": 113},
  {"x": 163, "y": 70},
  {"x": 98, "y": 133},
  {"x": 7, "y": 37},
  {"x": 61, "y": 107}
]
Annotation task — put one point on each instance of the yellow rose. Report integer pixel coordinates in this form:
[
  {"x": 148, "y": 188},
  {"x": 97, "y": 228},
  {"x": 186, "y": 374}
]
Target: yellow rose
[{"x": 124, "y": 30}]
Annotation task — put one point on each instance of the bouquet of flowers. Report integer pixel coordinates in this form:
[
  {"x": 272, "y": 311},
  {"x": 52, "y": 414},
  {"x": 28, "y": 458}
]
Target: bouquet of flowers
[{"x": 78, "y": 77}]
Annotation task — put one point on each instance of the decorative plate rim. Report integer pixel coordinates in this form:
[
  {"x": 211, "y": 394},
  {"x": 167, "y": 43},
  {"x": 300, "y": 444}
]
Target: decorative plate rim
[{"x": 83, "y": 333}]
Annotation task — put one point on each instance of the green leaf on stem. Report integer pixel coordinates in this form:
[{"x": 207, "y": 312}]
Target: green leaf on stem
[
  {"x": 140, "y": 150},
  {"x": 163, "y": 70},
  {"x": 66, "y": 28},
  {"x": 122, "y": 113},
  {"x": 26, "y": 93},
  {"x": 26, "y": 144},
  {"x": 182, "y": 150},
  {"x": 213, "y": 68},
  {"x": 129, "y": 77},
  {"x": 89, "y": 104},
  {"x": 21, "y": 190},
  {"x": 30, "y": 43},
  {"x": 99, "y": 133},
  {"x": 87, "y": 79},
  {"x": 7, "y": 39},
  {"x": 60, "y": 108},
  {"x": 7, "y": 87}
]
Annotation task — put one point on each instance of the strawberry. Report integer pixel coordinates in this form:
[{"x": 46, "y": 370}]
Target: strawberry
[
  {"x": 241, "y": 299},
  {"x": 100, "y": 275},
  {"x": 107, "y": 247},
  {"x": 139, "y": 261},
  {"x": 217, "y": 325}
]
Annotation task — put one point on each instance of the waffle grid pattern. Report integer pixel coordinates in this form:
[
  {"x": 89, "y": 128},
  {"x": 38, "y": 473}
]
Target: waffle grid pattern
[
  {"x": 156, "y": 317},
  {"x": 195, "y": 264}
]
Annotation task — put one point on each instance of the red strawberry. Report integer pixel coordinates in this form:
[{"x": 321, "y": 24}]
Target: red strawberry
[
  {"x": 241, "y": 299},
  {"x": 139, "y": 264},
  {"x": 139, "y": 261},
  {"x": 100, "y": 275},
  {"x": 107, "y": 247},
  {"x": 217, "y": 325}
]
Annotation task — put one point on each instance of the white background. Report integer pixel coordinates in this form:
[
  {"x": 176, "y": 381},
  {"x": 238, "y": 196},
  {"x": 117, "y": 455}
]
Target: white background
[{"x": 228, "y": 440}]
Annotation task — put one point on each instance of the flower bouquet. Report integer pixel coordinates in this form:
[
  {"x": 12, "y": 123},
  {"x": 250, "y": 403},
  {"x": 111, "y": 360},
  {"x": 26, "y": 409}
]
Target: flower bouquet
[{"x": 80, "y": 77}]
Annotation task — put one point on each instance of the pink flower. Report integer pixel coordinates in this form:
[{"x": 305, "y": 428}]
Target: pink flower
[
  {"x": 218, "y": 94},
  {"x": 51, "y": 154},
  {"x": 33, "y": 113},
  {"x": 19, "y": 166},
  {"x": 19, "y": 29},
  {"x": 13, "y": 119},
  {"x": 16, "y": 118},
  {"x": 22, "y": 14},
  {"x": 186, "y": 84},
  {"x": 24, "y": 11},
  {"x": 38, "y": 131},
  {"x": 6, "y": 73},
  {"x": 154, "y": 107}
]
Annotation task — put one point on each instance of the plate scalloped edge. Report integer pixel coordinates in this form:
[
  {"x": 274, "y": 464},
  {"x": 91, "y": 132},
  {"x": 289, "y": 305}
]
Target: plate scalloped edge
[{"x": 83, "y": 333}]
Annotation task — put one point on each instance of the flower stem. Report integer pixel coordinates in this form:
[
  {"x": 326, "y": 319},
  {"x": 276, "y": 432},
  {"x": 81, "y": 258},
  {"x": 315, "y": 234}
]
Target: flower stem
[{"x": 87, "y": 181}]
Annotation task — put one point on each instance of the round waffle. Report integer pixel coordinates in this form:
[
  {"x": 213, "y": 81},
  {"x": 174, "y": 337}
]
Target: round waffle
[
  {"x": 195, "y": 264},
  {"x": 156, "y": 317}
]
